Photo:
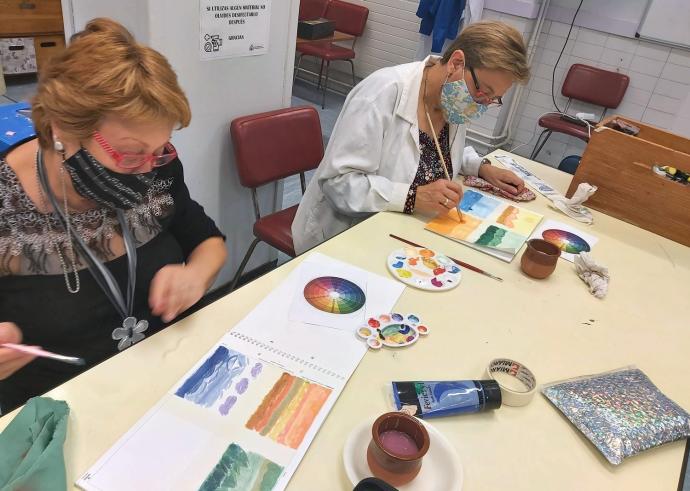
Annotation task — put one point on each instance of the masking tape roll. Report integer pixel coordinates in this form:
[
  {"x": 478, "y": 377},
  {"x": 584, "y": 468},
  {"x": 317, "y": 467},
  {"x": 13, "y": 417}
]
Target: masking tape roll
[{"x": 509, "y": 395}]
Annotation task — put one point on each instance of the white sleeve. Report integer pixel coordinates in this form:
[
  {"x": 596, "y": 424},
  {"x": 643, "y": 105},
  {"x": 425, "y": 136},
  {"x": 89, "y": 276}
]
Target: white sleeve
[
  {"x": 471, "y": 162},
  {"x": 350, "y": 181}
]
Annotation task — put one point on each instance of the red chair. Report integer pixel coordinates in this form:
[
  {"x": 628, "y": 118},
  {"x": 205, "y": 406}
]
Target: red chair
[
  {"x": 268, "y": 147},
  {"x": 312, "y": 9},
  {"x": 588, "y": 84},
  {"x": 350, "y": 19}
]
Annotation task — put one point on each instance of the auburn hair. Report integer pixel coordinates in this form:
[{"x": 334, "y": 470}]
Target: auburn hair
[
  {"x": 105, "y": 72},
  {"x": 492, "y": 45}
]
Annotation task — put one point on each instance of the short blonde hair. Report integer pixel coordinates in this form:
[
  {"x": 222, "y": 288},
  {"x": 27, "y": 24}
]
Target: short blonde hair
[
  {"x": 105, "y": 72},
  {"x": 492, "y": 45}
]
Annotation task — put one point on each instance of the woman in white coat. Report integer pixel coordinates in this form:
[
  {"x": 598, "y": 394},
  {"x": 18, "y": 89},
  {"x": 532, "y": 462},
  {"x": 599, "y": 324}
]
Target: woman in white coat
[{"x": 382, "y": 154}]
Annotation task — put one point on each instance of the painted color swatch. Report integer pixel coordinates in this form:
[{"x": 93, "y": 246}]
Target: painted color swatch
[
  {"x": 479, "y": 205},
  {"x": 519, "y": 220},
  {"x": 499, "y": 238},
  {"x": 288, "y": 410},
  {"x": 334, "y": 295},
  {"x": 238, "y": 469},
  {"x": 566, "y": 241},
  {"x": 207, "y": 384}
]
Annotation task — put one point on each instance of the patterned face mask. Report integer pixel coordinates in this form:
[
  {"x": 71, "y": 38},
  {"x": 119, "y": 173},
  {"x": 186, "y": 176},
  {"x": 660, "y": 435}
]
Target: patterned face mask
[{"x": 458, "y": 105}]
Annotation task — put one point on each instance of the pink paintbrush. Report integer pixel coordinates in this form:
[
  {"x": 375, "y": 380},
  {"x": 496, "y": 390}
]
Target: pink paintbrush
[{"x": 32, "y": 350}]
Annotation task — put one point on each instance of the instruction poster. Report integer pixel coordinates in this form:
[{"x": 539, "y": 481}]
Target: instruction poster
[{"x": 232, "y": 28}]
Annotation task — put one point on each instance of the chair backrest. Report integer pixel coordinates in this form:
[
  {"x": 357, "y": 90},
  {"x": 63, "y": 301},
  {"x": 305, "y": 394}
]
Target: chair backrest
[
  {"x": 276, "y": 144},
  {"x": 349, "y": 18},
  {"x": 312, "y": 9},
  {"x": 594, "y": 85}
]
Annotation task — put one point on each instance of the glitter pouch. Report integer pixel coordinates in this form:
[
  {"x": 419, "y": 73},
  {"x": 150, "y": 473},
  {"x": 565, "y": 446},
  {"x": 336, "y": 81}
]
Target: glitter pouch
[{"x": 621, "y": 412}]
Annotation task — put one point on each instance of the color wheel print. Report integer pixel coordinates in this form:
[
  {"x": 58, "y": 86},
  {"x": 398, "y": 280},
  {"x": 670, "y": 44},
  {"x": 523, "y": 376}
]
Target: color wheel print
[
  {"x": 567, "y": 241},
  {"x": 334, "y": 295}
]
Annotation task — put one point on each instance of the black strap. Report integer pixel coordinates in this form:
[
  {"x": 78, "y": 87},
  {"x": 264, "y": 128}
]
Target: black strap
[{"x": 101, "y": 274}]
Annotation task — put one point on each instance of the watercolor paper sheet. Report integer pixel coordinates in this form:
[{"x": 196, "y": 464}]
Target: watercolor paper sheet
[
  {"x": 244, "y": 416},
  {"x": 569, "y": 239},
  {"x": 489, "y": 224}
]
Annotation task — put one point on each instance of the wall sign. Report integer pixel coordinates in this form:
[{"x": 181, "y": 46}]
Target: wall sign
[{"x": 231, "y": 28}]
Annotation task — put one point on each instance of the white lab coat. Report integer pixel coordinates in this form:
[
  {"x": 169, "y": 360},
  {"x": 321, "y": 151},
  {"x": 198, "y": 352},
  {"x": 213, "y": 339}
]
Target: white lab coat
[{"x": 372, "y": 157}]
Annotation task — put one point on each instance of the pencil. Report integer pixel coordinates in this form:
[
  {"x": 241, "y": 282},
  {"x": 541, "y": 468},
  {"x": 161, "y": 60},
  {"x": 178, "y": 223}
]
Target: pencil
[
  {"x": 440, "y": 156},
  {"x": 456, "y": 261}
]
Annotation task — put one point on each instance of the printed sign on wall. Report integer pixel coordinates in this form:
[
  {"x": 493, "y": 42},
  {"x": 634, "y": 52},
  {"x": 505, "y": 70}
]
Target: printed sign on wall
[{"x": 231, "y": 28}]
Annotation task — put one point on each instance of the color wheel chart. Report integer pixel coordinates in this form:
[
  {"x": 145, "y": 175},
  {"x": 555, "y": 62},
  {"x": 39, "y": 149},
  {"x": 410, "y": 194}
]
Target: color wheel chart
[
  {"x": 566, "y": 241},
  {"x": 334, "y": 295}
]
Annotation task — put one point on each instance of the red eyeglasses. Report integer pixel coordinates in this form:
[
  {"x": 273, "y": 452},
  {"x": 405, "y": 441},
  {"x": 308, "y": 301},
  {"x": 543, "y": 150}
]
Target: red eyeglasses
[{"x": 134, "y": 160}]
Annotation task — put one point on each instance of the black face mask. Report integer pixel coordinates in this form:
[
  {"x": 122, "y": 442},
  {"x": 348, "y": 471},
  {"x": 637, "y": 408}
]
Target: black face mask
[{"x": 94, "y": 181}]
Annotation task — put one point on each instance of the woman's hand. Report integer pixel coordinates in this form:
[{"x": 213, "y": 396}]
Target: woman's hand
[
  {"x": 174, "y": 289},
  {"x": 10, "y": 360},
  {"x": 503, "y": 179},
  {"x": 438, "y": 197}
]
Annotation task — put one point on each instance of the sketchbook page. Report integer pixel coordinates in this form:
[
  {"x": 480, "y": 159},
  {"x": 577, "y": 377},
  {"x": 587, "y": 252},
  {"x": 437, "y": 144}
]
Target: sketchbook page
[
  {"x": 232, "y": 422},
  {"x": 569, "y": 239}
]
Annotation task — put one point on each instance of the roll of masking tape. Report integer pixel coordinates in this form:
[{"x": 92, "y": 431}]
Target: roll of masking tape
[{"x": 518, "y": 384}]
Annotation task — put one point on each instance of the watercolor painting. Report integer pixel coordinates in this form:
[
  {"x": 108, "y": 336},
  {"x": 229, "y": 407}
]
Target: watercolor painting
[
  {"x": 449, "y": 226},
  {"x": 239, "y": 469},
  {"x": 499, "y": 238},
  {"x": 479, "y": 205},
  {"x": 519, "y": 220},
  {"x": 288, "y": 410},
  {"x": 220, "y": 380},
  {"x": 570, "y": 240}
]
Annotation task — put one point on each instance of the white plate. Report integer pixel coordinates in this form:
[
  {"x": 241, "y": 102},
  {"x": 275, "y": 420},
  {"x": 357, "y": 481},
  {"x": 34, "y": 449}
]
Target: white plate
[
  {"x": 432, "y": 272},
  {"x": 441, "y": 467}
]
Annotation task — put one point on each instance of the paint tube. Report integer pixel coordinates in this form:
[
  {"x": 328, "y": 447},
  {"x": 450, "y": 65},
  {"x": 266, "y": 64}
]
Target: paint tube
[{"x": 444, "y": 398}]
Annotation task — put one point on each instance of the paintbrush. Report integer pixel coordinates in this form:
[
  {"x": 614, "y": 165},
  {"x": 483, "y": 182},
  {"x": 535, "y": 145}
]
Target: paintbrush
[
  {"x": 32, "y": 350},
  {"x": 440, "y": 156},
  {"x": 456, "y": 261}
]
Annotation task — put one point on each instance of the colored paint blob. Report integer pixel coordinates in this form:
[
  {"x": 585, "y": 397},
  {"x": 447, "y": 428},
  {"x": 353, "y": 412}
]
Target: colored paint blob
[
  {"x": 403, "y": 273},
  {"x": 334, "y": 295},
  {"x": 398, "y": 443},
  {"x": 374, "y": 323},
  {"x": 413, "y": 318},
  {"x": 398, "y": 265},
  {"x": 426, "y": 253},
  {"x": 566, "y": 241},
  {"x": 397, "y": 317},
  {"x": 365, "y": 332},
  {"x": 242, "y": 385}
]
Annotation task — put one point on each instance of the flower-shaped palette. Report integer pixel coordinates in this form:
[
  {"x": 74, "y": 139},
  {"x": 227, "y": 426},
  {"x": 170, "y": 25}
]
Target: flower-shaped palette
[
  {"x": 392, "y": 330},
  {"x": 424, "y": 269}
]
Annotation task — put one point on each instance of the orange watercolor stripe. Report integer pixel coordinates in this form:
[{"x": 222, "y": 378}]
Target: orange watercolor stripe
[
  {"x": 304, "y": 418},
  {"x": 263, "y": 414}
]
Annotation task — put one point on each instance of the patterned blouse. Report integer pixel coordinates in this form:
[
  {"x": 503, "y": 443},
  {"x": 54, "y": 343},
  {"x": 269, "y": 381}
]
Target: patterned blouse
[{"x": 430, "y": 167}]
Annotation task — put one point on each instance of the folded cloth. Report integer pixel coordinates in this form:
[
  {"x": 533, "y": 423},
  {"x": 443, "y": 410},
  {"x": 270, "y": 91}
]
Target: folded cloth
[
  {"x": 573, "y": 206},
  {"x": 595, "y": 275},
  {"x": 31, "y": 455},
  {"x": 478, "y": 182}
]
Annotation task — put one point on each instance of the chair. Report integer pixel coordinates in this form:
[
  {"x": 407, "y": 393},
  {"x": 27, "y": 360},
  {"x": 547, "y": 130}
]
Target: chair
[
  {"x": 312, "y": 9},
  {"x": 350, "y": 19},
  {"x": 588, "y": 84},
  {"x": 268, "y": 147}
]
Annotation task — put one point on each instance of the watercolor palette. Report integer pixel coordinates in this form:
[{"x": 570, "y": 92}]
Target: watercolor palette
[
  {"x": 392, "y": 330},
  {"x": 424, "y": 269},
  {"x": 334, "y": 295}
]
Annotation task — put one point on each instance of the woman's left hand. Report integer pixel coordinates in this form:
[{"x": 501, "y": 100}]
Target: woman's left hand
[
  {"x": 174, "y": 289},
  {"x": 503, "y": 179}
]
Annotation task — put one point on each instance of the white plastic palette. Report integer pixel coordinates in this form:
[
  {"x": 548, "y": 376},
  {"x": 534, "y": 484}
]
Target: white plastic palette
[
  {"x": 424, "y": 269},
  {"x": 392, "y": 330}
]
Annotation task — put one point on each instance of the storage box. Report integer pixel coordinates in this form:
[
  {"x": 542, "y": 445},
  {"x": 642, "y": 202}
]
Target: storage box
[
  {"x": 46, "y": 47},
  {"x": 620, "y": 165},
  {"x": 17, "y": 55},
  {"x": 15, "y": 125},
  {"x": 315, "y": 29}
]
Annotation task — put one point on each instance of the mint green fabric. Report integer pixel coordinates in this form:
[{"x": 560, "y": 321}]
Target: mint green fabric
[{"x": 31, "y": 456}]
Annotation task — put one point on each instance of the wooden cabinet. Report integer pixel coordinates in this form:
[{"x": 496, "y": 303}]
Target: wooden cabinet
[
  {"x": 22, "y": 18},
  {"x": 46, "y": 47}
]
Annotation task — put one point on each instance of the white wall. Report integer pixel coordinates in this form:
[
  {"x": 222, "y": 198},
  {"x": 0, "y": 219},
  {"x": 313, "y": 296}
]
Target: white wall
[{"x": 218, "y": 92}]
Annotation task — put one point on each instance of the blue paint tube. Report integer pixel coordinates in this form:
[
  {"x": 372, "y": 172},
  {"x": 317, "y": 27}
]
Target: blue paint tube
[{"x": 445, "y": 398}]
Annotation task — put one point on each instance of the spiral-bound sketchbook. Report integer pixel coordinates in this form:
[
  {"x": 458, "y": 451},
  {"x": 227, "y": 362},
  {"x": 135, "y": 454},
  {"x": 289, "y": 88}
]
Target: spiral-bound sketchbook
[{"x": 243, "y": 417}]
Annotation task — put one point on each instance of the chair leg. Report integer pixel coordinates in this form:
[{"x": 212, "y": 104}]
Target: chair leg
[
  {"x": 540, "y": 144},
  {"x": 352, "y": 65},
  {"x": 318, "y": 85},
  {"x": 297, "y": 67},
  {"x": 244, "y": 262},
  {"x": 325, "y": 86}
]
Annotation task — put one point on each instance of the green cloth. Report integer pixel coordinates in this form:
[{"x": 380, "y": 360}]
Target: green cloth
[{"x": 31, "y": 456}]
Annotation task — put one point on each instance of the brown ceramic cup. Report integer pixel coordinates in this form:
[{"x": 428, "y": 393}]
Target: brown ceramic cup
[
  {"x": 540, "y": 258},
  {"x": 395, "y": 468}
]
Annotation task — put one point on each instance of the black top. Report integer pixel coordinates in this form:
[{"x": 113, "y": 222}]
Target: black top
[
  {"x": 430, "y": 166},
  {"x": 167, "y": 227}
]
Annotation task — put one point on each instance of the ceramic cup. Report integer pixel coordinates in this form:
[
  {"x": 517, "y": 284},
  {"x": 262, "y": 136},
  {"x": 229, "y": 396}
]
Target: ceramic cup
[
  {"x": 398, "y": 444},
  {"x": 540, "y": 258}
]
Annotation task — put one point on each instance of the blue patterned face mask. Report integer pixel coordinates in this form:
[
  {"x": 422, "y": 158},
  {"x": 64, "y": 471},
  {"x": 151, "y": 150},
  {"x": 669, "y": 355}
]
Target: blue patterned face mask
[{"x": 458, "y": 105}]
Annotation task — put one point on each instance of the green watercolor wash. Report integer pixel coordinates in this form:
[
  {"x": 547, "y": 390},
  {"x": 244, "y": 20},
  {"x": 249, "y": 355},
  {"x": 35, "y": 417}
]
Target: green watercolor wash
[{"x": 240, "y": 470}]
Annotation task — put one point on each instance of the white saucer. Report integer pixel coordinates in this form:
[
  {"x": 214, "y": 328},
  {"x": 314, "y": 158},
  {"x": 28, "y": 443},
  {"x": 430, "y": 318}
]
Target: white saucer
[{"x": 441, "y": 467}]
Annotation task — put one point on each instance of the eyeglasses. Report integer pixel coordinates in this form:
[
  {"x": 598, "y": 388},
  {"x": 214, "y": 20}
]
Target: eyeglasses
[
  {"x": 480, "y": 96},
  {"x": 134, "y": 160}
]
